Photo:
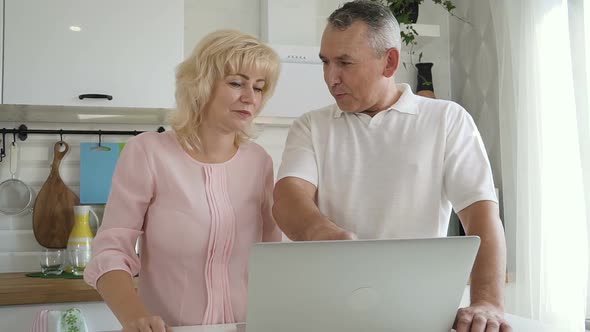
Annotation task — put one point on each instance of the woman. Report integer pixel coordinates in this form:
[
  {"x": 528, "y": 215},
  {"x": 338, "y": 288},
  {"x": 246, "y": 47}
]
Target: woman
[{"x": 199, "y": 196}]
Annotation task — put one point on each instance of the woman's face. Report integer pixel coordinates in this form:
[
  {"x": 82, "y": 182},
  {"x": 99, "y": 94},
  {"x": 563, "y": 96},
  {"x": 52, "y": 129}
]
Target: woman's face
[{"x": 235, "y": 101}]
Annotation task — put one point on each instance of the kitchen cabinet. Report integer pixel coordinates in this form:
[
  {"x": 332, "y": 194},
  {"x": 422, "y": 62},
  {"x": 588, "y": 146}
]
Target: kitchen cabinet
[
  {"x": 92, "y": 53},
  {"x": 1, "y": 44},
  {"x": 97, "y": 315}
]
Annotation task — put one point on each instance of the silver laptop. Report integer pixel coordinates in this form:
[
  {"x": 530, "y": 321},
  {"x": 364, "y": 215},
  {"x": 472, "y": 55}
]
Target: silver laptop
[{"x": 369, "y": 286}]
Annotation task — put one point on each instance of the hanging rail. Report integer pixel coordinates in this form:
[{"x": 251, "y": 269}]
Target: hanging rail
[{"x": 22, "y": 133}]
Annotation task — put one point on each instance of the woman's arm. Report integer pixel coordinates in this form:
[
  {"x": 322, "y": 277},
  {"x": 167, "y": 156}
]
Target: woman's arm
[
  {"x": 117, "y": 290},
  {"x": 114, "y": 260}
]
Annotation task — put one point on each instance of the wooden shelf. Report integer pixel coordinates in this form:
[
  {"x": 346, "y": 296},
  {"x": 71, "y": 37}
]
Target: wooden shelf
[{"x": 17, "y": 288}]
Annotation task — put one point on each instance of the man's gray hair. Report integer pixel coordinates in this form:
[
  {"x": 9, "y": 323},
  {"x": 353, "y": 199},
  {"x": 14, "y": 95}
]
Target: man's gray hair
[{"x": 384, "y": 30}]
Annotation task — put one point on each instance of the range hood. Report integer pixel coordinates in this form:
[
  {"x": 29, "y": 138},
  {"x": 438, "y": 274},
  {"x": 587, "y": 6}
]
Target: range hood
[{"x": 301, "y": 86}]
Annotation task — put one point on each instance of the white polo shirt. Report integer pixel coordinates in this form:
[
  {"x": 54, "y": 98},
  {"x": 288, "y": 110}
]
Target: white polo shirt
[{"x": 395, "y": 175}]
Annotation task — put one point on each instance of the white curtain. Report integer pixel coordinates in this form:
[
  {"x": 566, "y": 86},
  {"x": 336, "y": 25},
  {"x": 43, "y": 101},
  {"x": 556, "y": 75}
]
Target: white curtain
[{"x": 544, "y": 52}]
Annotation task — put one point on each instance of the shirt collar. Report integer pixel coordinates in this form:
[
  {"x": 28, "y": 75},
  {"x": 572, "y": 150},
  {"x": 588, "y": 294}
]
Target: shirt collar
[{"x": 406, "y": 103}]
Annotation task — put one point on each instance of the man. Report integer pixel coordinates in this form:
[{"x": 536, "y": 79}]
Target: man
[{"x": 385, "y": 163}]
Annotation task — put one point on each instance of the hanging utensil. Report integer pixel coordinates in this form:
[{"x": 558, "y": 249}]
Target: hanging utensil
[
  {"x": 53, "y": 214},
  {"x": 16, "y": 196}
]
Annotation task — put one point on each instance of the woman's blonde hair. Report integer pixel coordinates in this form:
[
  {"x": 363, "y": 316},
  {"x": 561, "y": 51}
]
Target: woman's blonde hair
[{"x": 219, "y": 54}]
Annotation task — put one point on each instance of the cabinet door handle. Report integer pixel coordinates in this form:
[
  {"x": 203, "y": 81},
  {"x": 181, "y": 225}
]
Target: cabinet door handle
[{"x": 95, "y": 96}]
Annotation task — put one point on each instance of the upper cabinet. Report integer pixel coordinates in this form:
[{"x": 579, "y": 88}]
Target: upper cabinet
[
  {"x": 92, "y": 53},
  {"x": 1, "y": 44}
]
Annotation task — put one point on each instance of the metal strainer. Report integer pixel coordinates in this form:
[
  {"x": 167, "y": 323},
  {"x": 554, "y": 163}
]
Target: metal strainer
[{"x": 16, "y": 196}]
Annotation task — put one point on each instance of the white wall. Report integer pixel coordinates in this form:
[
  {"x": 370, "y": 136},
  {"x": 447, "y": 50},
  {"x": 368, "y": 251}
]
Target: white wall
[
  {"x": 474, "y": 68},
  {"x": 474, "y": 83}
]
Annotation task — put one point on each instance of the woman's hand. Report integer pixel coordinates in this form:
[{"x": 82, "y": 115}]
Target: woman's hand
[
  {"x": 117, "y": 290},
  {"x": 146, "y": 324}
]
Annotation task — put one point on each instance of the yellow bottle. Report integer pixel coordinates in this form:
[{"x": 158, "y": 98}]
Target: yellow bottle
[{"x": 80, "y": 240}]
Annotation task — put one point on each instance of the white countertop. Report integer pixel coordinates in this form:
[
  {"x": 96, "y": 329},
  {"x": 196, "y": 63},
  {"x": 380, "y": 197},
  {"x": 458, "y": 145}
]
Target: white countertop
[{"x": 519, "y": 324}]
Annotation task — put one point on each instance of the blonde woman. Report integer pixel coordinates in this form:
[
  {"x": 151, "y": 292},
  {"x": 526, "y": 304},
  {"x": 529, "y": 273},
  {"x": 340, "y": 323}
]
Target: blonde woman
[{"x": 198, "y": 196}]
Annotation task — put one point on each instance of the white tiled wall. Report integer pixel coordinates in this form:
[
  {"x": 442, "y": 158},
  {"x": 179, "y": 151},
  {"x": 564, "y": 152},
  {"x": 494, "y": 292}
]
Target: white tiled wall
[{"x": 18, "y": 247}]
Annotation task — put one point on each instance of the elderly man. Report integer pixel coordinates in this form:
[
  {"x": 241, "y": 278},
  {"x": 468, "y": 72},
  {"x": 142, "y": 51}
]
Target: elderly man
[{"x": 385, "y": 163}]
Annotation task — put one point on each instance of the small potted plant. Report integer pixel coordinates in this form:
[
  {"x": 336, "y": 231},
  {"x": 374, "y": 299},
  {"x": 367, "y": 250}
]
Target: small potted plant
[{"x": 406, "y": 13}]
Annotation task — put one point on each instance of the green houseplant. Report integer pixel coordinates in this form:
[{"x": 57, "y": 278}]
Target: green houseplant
[{"x": 406, "y": 13}]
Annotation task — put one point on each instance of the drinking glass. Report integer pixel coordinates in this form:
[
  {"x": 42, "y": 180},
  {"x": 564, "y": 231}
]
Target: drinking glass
[
  {"x": 79, "y": 258},
  {"x": 52, "y": 261}
]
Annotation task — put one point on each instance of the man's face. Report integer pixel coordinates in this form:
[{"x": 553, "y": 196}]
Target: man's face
[{"x": 352, "y": 71}]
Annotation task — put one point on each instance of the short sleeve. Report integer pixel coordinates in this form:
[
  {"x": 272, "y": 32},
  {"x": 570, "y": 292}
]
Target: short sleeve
[
  {"x": 467, "y": 172},
  {"x": 299, "y": 159}
]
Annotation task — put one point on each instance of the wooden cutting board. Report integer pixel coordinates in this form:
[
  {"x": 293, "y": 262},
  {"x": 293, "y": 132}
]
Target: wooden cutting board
[{"x": 53, "y": 213}]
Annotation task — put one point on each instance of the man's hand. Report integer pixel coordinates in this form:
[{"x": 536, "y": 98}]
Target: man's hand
[
  {"x": 328, "y": 231},
  {"x": 481, "y": 317}
]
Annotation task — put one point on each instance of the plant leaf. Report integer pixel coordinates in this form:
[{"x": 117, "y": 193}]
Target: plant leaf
[
  {"x": 449, "y": 6},
  {"x": 408, "y": 38}
]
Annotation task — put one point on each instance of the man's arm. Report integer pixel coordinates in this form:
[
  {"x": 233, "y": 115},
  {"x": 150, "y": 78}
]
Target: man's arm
[
  {"x": 297, "y": 214},
  {"x": 488, "y": 273}
]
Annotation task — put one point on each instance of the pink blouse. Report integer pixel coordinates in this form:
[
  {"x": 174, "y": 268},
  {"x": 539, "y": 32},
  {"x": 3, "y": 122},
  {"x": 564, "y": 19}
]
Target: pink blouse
[{"x": 197, "y": 223}]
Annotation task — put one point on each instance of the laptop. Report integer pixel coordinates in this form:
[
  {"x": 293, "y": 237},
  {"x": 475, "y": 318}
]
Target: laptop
[{"x": 365, "y": 285}]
